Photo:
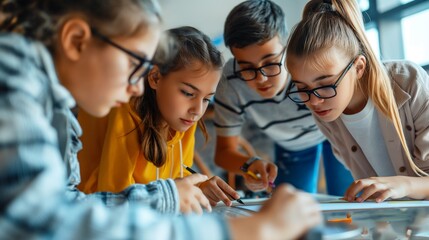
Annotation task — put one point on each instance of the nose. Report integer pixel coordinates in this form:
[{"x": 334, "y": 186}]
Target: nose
[
  {"x": 314, "y": 100},
  {"x": 260, "y": 77},
  {"x": 136, "y": 89},
  {"x": 198, "y": 108}
]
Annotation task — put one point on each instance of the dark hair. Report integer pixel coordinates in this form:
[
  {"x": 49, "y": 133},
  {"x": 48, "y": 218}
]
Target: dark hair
[
  {"x": 40, "y": 19},
  {"x": 190, "y": 46},
  {"x": 254, "y": 21}
]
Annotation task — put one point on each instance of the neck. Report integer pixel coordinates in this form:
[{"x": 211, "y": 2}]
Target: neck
[{"x": 357, "y": 103}]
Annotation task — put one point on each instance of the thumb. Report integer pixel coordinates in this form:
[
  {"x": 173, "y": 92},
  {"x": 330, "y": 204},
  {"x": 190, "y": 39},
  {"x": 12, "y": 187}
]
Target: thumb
[
  {"x": 272, "y": 172},
  {"x": 196, "y": 178}
]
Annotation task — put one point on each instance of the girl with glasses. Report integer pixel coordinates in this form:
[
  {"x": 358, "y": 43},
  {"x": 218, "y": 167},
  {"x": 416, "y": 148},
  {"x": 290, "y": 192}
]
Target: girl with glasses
[
  {"x": 54, "y": 60},
  {"x": 153, "y": 137},
  {"x": 254, "y": 90},
  {"x": 374, "y": 114}
]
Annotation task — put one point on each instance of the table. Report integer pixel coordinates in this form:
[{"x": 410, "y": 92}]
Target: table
[{"x": 411, "y": 222}]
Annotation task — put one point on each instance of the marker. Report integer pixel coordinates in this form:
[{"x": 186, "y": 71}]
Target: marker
[
  {"x": 347, "y": 219},
  {"x": 193, "y": 172}
]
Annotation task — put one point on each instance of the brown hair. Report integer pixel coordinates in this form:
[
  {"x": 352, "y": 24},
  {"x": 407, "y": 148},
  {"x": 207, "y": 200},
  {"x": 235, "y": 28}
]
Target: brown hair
[
  {"x": 339, "y": 24},
  {"x": 40, "y": 19},
  {"x": 190, "y": 45}
]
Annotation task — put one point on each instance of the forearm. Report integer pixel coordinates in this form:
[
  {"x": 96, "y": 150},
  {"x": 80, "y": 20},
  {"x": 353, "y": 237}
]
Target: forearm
[
  {"x": 160, "y": 195},
  {"x": 230, "y": 160}
]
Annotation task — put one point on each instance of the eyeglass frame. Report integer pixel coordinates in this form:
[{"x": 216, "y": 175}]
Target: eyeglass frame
[
  {"x": 313, "y": 91},
  {"x": 142, "y": 60},
  {"x": 260, "y": 69}
]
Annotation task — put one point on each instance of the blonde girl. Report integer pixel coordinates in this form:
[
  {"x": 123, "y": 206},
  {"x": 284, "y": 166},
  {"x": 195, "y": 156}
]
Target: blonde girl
[{"x": 374, "y": 114}]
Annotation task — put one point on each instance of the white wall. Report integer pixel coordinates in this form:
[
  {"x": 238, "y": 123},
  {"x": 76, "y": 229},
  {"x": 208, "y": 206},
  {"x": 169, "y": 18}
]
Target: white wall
[{"x": 209, "y": 15}]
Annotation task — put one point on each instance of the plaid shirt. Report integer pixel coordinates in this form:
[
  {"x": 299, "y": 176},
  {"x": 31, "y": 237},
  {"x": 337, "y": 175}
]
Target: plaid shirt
[{"x": 39, "y": 170}]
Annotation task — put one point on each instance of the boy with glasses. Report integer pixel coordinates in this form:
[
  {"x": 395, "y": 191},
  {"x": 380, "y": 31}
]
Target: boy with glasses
[{"x": 255, "y": 87}]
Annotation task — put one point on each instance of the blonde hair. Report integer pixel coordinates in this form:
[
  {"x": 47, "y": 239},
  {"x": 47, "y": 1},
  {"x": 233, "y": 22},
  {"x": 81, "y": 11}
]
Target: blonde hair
[{"x": 339, "y": 23}]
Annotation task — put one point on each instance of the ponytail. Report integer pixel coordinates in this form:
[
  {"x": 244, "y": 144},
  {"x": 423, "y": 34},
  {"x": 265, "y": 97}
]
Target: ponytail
[{"x": 339, "y": 23}]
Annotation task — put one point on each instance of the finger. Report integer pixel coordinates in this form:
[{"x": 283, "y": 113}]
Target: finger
[
  {"x": 255, "y": 187},
  {"x": 384, "y": 195},
  {"x": 196, "y": 208},
  {"x": 356, "y": 187},
  {"x": 186, "y": 209},
  {"x": 264, "y": 176},
  {"x": 368, "y": 191},
  {"x": 196, "y": 178},
  {"x": 272, "y": 172},
  {"x": 212, "y": 203},
  {"x": 227, "y": 189},
  {"x": 250, "y": 180},
  {"x": 203, "y": 201}
]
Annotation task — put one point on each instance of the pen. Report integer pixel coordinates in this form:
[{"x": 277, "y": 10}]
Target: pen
[
  {"x": 254, "y": 176},
  {"x": 193, "y": 172}
]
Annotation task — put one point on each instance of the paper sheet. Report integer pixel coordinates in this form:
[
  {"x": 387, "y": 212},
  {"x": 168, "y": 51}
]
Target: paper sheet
[{"x": 339, "y": 205}]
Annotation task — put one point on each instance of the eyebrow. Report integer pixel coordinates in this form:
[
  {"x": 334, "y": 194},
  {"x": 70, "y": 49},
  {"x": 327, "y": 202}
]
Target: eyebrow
[
  {"x": 195, "y": 88},
  {"x": 263, "y": 58},
  {"x": 316, "y": 79}
]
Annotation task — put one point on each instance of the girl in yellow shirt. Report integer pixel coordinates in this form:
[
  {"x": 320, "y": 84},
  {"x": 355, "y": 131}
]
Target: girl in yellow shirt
[{"x": 154, "y": 136}]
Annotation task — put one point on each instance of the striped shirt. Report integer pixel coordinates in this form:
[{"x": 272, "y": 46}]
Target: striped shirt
[
  {"x": 287, "y": 123},
  {"x": 39, "y": 170}
]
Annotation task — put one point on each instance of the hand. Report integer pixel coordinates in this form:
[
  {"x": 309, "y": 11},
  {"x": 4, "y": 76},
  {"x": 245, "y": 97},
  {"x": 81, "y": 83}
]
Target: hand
[
  {"x": 215, "y": 189},
  {"x": 378, "y": 188},
  {"x": 191, "y": 197},
  {"x": 287, "y": 215},
  {"x": 267, "y": 172}
]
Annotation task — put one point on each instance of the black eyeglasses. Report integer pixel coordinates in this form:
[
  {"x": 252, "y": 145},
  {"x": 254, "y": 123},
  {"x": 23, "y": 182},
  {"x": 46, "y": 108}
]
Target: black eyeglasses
[
  {"x": 323, "y": 92},
  {"x": 141, "y": 69},
  {"x": 269, "y": 70}
]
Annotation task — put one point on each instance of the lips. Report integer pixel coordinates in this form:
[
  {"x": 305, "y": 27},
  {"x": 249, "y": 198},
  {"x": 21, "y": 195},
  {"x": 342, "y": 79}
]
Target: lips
[
  {"x": 187, "y": 122},
  {"x": 322, "y": 112},
  {"x": 264, "y": 89}
]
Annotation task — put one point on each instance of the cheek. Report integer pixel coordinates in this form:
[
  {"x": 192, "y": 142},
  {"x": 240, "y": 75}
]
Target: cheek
[
  {"x": 169, "y": 103},
  {"x": 251, "y": 84},
  {"x": 115, "y": 71}
]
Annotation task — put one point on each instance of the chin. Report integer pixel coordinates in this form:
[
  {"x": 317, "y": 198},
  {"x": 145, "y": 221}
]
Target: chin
[
  {"x": 100, "y": 112},
  {"x": 267, "y": 94}
]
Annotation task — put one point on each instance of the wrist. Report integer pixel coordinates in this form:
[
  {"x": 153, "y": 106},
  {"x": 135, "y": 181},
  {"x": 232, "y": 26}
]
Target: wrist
[{"x": 250, "y": 161}]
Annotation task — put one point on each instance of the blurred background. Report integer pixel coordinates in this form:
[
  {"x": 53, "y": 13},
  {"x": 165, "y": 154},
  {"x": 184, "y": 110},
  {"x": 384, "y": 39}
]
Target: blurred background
[{"x": 398, "y": 29}]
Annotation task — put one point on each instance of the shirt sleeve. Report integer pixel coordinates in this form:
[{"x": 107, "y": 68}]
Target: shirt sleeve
[
  {"x": 420, "y": 111},
  {"x": 229, "y": 116},
  {"x": 33, "y": 180}
]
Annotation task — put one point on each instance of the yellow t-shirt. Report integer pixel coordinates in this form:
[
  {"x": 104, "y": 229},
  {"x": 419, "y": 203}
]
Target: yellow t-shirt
[{"x": 111, "y": 158}]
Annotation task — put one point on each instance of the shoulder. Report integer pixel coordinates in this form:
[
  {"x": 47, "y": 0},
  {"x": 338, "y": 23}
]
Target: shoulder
[
  {"x": 408, "y": 76},
  {"x": 405, "y": 73},
  {"x": 25, "y": 65}
]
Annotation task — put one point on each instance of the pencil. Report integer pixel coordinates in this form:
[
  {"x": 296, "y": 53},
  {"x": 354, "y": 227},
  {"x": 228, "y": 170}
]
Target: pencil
[
  {"x": 254, "y": 176},
  {"x": 193, "y": 172}
]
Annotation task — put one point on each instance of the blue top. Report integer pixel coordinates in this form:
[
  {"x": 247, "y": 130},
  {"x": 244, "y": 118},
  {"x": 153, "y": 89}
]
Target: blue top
[{"x": 39, "y": 170}]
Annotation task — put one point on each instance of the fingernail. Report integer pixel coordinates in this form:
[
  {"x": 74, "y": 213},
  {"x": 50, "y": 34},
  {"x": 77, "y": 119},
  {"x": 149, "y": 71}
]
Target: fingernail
[{"x": 359, "y": 199}]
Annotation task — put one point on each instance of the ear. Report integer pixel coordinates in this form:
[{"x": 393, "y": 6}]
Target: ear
[
  {"x": 360, "y": 65},
  {"x": 153, "y": 77},
  {"x": 75, "y": 36}
]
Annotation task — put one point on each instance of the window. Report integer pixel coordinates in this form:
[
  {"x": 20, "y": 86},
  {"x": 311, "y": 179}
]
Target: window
[
  {"x": 397, "y": 29},
  {"x": 416, "y": 40}
]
